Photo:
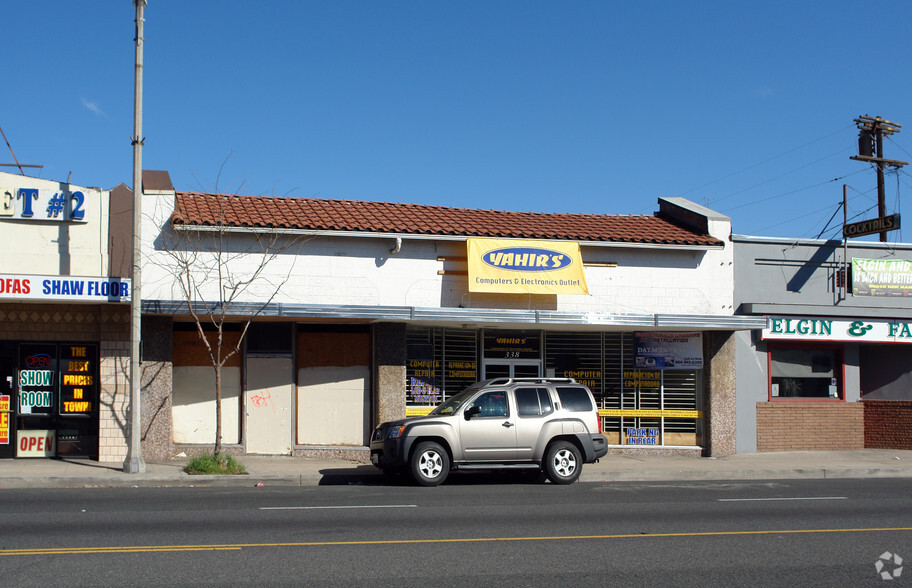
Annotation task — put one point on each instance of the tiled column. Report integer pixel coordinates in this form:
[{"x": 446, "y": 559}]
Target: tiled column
[
  {"x": 719, "y": 393},
  {"x": 389, "y": 377}
]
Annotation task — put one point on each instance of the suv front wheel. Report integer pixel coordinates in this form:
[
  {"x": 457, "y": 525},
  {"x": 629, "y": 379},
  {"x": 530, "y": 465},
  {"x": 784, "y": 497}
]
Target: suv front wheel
[
  {"x": 430, "y": 464},
  {"x": 563, "y": 463}
]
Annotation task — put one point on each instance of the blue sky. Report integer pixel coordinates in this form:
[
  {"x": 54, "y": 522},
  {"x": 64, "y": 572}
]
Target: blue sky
[{"x": 591, "y": 107}]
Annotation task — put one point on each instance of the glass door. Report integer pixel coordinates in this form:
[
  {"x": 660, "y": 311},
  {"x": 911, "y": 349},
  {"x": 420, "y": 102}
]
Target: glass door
[
  {"x": 7, "y": 401},
  {"x": 511, "y": 368}
]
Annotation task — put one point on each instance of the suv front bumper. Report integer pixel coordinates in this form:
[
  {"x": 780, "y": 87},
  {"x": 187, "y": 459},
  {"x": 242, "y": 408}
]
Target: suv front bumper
[{"x": 389, "y": 454}]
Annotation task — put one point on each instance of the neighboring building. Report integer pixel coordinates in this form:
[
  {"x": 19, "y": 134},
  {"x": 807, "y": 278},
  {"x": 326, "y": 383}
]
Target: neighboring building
[
  {"x": 373, "y": 310},
  {"x": 833, "y": 370},
  {"x": 64, "y": 320}
]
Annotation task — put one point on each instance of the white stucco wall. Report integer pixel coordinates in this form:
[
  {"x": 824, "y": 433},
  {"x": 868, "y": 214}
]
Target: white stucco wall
[
  {"x": 362, "y": 271},
  {"x": 51, "y": 247}
]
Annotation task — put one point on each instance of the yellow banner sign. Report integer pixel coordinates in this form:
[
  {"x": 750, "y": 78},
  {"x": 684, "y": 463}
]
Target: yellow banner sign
[
  {"x": 525, "y": 267},
  {"x": 411, "y": 411},
  {"x": 634, "y": 412}
]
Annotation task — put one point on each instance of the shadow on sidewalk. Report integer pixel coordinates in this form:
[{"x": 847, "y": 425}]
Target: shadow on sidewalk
[{"x": 87, "y": 463}]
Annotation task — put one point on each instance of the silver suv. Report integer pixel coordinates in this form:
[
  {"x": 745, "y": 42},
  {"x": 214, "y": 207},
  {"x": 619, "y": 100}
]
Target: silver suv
[{"x": 549, "y": 424}]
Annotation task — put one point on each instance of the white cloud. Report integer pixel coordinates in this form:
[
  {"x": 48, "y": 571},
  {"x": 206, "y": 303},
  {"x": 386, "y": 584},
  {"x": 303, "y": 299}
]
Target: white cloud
[{"x": 93, "y": 106}]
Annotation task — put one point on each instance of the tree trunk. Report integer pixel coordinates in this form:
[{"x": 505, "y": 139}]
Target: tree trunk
[{"x": 218, "y": 409}]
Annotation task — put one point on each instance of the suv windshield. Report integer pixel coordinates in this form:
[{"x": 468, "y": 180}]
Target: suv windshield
[{"x": 454, "y": 402}]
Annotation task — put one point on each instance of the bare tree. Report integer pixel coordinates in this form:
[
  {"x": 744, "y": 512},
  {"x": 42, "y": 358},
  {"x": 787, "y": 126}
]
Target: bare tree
[{"x": 225, "y": 277}]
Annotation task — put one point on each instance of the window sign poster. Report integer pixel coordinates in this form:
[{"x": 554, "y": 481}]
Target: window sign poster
[
  {"x": 4, "y": 419},
  {"x": 423, "y": 383},
  {"x": 78, "y": 385},
  {"x": 512, "y": 345},
  {"x": 37, "y": 379},
  {"x": 669, "y": 351}
]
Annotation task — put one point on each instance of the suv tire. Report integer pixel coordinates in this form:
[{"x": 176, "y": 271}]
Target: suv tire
[
  {"x": 563, "y": 463},
  {"x": 430, "y": 464}
]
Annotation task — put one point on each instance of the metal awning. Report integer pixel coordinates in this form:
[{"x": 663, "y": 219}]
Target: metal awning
[{"x": 474, "y": 317}]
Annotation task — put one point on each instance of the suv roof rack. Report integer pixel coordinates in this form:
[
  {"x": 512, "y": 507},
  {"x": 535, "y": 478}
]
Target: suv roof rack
[{"x": 508, "y": 381}]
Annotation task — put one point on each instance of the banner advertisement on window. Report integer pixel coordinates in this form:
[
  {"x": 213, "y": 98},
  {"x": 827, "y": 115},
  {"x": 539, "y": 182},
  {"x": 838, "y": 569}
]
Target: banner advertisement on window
[
  {"x": 669, "y": 351},
  {"x": 881, "y": 277},
  {"x": 525, "y": 267}
]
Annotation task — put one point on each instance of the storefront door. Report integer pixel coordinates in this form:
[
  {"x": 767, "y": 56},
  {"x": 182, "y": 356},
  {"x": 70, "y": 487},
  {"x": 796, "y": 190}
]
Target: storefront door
[
  {"x": 268, "y": 405},
  {"x": 511, "y": 368},
  {"x": 7, "y": 403}
]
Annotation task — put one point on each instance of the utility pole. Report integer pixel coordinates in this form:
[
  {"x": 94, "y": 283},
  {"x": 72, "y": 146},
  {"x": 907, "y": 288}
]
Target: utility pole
[
  {"x": 134, "y": 462},
  {"x": 871, "y": 131}
]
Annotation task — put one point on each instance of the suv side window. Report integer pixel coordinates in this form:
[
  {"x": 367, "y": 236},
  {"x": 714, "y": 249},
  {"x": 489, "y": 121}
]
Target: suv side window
[
  {"x": 574, "y": 399},
  {"x": 533, "y": 401},
  {"x": 492, "y": 404}
]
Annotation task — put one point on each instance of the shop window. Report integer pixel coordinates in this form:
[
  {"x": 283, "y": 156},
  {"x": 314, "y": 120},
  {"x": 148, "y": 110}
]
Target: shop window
[
  {"x": 439, "y": 363},
  {"x": 805, "y": 372},
  {"x": 637, "y": 406},
  {"x": 269, "y": 338},
  {"x": 576, "y": 355}
]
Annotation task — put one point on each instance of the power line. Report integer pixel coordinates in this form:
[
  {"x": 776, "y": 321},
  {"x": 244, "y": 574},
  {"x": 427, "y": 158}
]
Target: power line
[
  {"x": 826, "y": 208},
  {"x": 790, "y": 192},
  {"x": 779, "y": 176},
  {"x": 758, "y": 164}
]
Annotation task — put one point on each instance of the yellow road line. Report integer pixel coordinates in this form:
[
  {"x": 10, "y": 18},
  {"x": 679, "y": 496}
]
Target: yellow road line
[{"x": 237, "y": 546}]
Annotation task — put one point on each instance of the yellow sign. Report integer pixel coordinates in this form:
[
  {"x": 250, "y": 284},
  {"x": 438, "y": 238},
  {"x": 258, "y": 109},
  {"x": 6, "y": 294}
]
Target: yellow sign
[
  {"x": 634, "y": 412},
  {"x": 411, "y": 411},
  {"x": 642, "y": 379},
  {"x": 525, "y": 267}
]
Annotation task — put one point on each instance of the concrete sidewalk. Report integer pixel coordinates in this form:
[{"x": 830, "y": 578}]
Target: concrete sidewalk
[{"x": 297, "y": 471}]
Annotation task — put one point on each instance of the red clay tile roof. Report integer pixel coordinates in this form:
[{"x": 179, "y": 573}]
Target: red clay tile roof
[{"x": 193, "y": 208}]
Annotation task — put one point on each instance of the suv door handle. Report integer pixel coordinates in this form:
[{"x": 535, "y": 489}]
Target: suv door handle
[{"x": 508, "y": 424}]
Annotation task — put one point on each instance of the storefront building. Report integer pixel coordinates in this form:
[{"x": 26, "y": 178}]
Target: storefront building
[
  {"x": 368, "y": 311},
  {"x": 833, "y": 368},
  {"x": 64, "y": 321}
]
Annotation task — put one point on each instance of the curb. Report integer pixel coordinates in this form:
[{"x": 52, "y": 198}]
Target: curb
[{"x": 350, "y": 478}]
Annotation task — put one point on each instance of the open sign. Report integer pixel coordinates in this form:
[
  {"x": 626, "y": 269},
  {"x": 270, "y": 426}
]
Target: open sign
[{"x": 37, "y": 443}]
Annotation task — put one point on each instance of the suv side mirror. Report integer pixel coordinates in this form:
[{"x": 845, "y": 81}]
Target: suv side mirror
[{"x": 472, "y": 411}]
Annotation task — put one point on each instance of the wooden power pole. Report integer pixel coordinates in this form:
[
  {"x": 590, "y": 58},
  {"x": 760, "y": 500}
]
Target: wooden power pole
[{"x": 871, "y": 131}]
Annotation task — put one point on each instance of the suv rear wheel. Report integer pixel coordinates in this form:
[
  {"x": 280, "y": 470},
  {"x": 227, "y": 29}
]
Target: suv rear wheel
[
  {"x": 430, "y": 464},
  {"x": 563, "y": 463}
]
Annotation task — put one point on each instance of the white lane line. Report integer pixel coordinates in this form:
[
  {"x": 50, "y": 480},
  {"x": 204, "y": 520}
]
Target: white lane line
[
  {"x": 771, "y": 499},
  {"x": 338, "y": 507}
]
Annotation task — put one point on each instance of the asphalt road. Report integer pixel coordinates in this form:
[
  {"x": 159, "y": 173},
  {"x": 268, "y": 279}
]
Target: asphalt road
[{"x": 477, "y": 532}]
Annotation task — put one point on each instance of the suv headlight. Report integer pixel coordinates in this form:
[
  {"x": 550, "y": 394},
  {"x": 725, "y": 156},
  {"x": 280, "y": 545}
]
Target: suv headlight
[{"x": 395, "y": 431}]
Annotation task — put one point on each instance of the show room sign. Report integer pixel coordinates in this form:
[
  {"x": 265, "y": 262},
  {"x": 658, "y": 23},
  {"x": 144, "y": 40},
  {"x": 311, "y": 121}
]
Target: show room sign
[
  {"x": 525, "y": 267},
  {"x": 64, "y": 288}
]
